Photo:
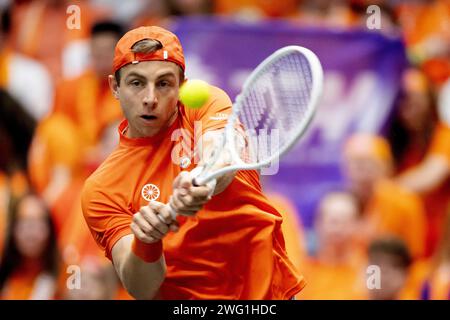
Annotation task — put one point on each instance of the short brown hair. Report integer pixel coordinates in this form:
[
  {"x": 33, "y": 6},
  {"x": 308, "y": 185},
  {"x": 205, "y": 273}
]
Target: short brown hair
[{"x": 146, "y": 46}]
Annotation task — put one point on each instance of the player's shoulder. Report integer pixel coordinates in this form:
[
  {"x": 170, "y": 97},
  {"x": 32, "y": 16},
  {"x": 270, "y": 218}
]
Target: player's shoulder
[{"x": 217, "y": 93}]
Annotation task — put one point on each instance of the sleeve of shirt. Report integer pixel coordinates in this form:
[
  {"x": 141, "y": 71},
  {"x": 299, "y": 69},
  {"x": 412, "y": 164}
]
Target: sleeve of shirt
[
  {"x": 440, "y": 144},
  {"x": 107, "y": 220},
  {"x": 214, "y": 114}
]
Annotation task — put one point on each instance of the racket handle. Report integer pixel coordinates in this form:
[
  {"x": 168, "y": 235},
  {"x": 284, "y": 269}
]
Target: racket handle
[
  {"x": 195, "y": 172},
  {"x": 173, "y": 213}
]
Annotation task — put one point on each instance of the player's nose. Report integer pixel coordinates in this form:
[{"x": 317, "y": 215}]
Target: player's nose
[{"x": 149, "y": 99}]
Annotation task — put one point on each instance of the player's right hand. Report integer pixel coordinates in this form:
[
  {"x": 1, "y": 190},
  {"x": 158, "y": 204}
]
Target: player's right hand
[{"x": 148, "y": 227}]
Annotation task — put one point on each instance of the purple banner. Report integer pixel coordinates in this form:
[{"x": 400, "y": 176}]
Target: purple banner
[{"x": 362, "y": 75}]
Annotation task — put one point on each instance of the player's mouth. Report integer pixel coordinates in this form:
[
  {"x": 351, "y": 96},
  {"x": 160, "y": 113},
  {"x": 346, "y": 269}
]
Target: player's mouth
[{"x": 148, "y": 118}]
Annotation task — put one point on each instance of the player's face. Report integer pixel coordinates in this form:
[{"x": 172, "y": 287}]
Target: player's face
[{"x": 148, "y": 95}]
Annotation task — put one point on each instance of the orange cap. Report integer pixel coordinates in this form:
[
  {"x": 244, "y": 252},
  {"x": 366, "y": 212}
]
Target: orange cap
[{"x": 171, "y": 50}]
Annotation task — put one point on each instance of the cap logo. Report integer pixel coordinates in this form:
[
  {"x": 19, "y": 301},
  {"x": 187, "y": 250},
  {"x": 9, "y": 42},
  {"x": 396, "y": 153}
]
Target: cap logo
[{"x": 166, "y": 54}]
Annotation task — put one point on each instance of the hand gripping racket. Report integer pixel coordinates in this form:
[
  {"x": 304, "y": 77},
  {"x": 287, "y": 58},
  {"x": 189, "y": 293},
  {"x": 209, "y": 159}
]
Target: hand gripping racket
[{"x": 272, "y": 112}]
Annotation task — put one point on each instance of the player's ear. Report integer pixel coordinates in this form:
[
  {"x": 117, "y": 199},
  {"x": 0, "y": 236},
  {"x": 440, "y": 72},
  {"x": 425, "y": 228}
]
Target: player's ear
[{"x": 113, "y": 85}]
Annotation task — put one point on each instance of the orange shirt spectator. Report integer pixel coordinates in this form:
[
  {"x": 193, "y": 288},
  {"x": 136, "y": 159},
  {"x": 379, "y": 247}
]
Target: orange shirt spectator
[
  {"x": 388, "y": 208},
  {"x": 40, "y": 30},
  {"x": 88, "y": 102},
  {"x": 29, "y": 263},
  {"x": 396, "y": 211},
  {"x": 337, "y": 269}
]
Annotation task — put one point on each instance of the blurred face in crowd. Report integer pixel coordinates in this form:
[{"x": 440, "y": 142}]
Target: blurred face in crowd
[
  {"x": 336, "y": 222},
  {"x": 31, "y": 232},
  {"x": 393, "y": 276},
  {"x": 415, "y": 105},
  {"x": 102, "y": 52},
  {"x": 148, "y": 95},
  {"x": 366, "y": 161}
]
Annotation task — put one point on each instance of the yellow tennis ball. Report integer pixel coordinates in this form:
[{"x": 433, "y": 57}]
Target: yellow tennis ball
[{"x": 194, "y": 93}]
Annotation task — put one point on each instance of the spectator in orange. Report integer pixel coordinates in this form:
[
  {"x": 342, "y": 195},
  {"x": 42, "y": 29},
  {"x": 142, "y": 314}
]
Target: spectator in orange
[
  {"x": 87, "y": 100},
  {"x": 392, "y": 258},
  {"x": 425, "y": 26},
  {"x": 55, "y": 157},
  {"x": 387, "y": 207},
  {"x": 47, "y": 31},
  {"x": 74, "y": 238},
  {"x": 336, "y": 271},
  {"x": 84, "y": 106},
  {"x": 421, "y": 146},
  {"x": 16, "y": 70},
  {"x": 30, "y": 260}
]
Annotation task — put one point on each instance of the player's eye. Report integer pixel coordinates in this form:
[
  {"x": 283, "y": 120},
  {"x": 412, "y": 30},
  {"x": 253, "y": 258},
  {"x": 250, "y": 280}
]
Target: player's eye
[
  {"x": 135, "y": 83},
  {"x": 163, "y": 84}
]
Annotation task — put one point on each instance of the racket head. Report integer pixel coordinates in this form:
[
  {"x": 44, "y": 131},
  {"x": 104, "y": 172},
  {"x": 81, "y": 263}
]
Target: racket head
[
  {"x": 273, "y": 110},
  {"x": 276, "y": 105}
]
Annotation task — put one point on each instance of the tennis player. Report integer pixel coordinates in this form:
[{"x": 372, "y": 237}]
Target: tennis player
[{"x": 226, "y": 242}]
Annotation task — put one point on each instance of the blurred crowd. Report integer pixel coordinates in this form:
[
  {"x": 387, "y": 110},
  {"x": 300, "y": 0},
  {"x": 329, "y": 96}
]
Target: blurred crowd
[{"x": 58, "y": 122}]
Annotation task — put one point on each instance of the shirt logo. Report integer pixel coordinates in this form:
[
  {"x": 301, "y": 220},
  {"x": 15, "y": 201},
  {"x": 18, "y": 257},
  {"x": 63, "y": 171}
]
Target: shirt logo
[
  {"x": 219, "y": 116},
  {"x": 150, "y": 192}
]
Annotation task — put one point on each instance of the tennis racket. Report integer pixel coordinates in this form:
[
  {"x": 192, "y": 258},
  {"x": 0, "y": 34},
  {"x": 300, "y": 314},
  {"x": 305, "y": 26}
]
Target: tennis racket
[{"x": 272, "y": 112}]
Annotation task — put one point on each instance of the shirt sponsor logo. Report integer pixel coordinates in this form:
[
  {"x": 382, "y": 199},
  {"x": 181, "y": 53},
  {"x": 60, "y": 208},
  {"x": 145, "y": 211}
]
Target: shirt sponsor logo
[
  {"x": 219, "y": 116},
  {"x": 150, "y": 192}
]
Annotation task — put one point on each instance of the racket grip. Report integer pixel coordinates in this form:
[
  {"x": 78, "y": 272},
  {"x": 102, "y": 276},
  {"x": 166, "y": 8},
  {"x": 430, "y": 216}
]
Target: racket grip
[{"x": 173, "y": 213}]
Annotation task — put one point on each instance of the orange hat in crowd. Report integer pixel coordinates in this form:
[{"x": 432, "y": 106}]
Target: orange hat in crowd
[{"x": 171, "y": 47}]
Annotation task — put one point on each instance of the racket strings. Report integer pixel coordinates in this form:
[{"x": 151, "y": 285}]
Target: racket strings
[{"x": 273, "y": 107}]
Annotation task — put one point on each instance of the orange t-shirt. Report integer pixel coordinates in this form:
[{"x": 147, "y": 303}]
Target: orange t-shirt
[
  {"x": 334, "y": 282},
  {"x": 56, "y": 142},
  {"x": 88, "y": 102},
  {"x": 232, "y": 249},
  {"x": 292, "y": 228},
  {"x": 395, "y": 211}
]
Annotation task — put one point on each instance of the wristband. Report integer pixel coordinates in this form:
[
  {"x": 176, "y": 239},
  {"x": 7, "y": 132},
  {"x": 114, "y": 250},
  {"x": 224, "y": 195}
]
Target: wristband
[{"x": 149, "y": 252}]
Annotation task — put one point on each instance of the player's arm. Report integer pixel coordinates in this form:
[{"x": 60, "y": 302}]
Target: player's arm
[
  {"x": 138, "y": 257},
  {"x": 210, "y": 140}
]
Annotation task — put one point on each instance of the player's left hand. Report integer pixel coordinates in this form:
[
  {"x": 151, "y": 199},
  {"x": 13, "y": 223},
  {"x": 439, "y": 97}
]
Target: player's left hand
[{"x": 188, "y": 199}]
